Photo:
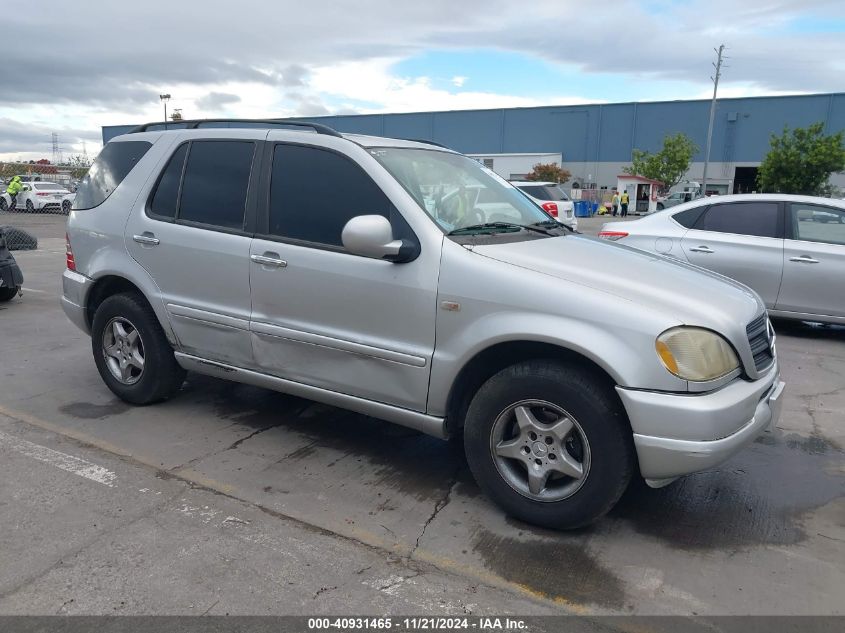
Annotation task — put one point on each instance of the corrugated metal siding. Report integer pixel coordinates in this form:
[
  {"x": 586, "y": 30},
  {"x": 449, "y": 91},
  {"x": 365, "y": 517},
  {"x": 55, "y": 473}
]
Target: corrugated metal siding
[{"x": 603, "y": 133}]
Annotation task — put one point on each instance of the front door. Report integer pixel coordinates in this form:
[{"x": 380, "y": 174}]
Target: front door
[
  {"x": 814, "y": 261},
  {"x": 189, "y": 236},
  {"x": 743, "y": 241},
  {"x": 327, "y": 318}
]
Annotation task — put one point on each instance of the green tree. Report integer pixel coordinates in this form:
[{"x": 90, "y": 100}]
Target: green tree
[
  {"x": 669, "y": 164},
  {"x": 548, "y": 172},
  {"x": 801, "y": 161}
]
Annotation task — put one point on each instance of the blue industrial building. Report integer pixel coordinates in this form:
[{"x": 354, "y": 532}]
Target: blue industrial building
[{"x": 595, "y": 141}]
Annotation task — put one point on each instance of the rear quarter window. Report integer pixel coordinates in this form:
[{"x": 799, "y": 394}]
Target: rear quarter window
[
  {"x": 689, "y": 217},
  {"x": 107, "y": 172}
]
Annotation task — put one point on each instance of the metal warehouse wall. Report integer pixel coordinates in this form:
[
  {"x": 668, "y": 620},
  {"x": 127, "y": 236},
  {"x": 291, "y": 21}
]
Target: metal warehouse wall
[{"x": 601, "y": 132}]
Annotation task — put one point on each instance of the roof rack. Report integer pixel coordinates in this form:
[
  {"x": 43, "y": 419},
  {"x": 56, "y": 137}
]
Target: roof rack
[
  {"x": 419, "y": 140},
  {"x": 195, "y": 123}
]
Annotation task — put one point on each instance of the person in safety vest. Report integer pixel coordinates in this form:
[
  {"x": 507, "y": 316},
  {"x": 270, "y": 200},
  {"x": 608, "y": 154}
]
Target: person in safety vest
[{"x": 13, "y": 189}]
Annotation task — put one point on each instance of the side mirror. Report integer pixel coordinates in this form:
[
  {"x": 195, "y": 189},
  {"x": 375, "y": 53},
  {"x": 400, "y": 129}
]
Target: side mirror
[{"x": 372, "y": 236}]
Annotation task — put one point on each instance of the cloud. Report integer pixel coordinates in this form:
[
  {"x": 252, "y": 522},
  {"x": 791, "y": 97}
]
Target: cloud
[
  {"x": 216, "y": 100},
  {"x": 294, "y": 61}
]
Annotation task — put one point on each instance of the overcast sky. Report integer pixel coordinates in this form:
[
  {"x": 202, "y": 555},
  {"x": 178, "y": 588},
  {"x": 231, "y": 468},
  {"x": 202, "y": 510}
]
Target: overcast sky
[{"x": 100, "y": 63}]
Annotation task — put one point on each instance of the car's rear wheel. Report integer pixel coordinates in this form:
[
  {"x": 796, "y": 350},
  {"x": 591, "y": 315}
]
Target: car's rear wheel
[
  {"x": 66, "y": 206},
  {"x": 131, "y": 351},
  {"x": 550, "y": 443},
  {"x": 7, "y": 294},
  {"x": 660, "y": 206}
]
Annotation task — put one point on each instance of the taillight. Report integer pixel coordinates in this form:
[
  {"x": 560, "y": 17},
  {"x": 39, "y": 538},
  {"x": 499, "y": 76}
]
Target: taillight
[
  {"x": 71, "y": 264},
  {"x": 551, "y": 208},
  {"x": 612, "y": 235}
]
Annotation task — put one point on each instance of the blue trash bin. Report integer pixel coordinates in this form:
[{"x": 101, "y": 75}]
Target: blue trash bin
[{"x": 581, "y": 209}]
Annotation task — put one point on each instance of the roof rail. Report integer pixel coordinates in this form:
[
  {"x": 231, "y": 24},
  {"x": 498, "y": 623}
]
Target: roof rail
[
  {"x": 419, "y": 140},
  {"x": 195, "y": 123}
]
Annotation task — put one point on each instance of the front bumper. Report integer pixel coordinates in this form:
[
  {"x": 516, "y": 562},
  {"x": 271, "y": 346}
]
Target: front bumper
[
  {"x": 75, "y": 288},
  {"x": 679, "y": 434}
]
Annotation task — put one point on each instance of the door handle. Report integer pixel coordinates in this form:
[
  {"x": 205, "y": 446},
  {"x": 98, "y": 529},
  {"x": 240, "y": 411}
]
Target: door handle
[
  {"x": 268, "y": 260},
  {"x": 804, "y": 259},
  {"x": 147, "y": 239},
  {"x": 702, "y": 249}
]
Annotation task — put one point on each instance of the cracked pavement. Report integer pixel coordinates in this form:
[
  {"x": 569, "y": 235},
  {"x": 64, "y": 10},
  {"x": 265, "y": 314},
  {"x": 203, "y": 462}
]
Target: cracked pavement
[{"x": 233, "y": 499}]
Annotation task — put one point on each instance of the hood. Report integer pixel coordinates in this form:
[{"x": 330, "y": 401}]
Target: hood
[{"x": 693, "y": 295}]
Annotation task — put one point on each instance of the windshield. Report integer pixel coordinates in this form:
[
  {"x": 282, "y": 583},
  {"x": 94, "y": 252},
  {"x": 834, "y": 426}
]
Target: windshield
[
  {"x": 456, "y": 191},
  {"x": 48, "y": 186}
]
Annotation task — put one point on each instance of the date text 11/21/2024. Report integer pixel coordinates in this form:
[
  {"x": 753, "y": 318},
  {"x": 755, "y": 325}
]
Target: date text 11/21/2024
[{"x": 417, "y": 624}]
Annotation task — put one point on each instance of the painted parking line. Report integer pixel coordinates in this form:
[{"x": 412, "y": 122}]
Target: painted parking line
[{"x": 69, "y": 463}]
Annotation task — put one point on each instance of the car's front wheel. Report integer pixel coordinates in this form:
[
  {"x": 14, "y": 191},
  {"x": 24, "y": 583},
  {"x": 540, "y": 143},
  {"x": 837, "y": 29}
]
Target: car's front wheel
[
  {"x": 550, "y": 443},
  {"x": 7, "y": 294},
  {"x": 131, "y": 351},
  {"x": 30, "y": 207},
  {"x": 4, "y": 206}
]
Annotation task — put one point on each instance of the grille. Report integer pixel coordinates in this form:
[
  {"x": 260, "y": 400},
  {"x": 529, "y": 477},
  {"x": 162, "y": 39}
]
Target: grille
[{"x": 758, "y": 338}]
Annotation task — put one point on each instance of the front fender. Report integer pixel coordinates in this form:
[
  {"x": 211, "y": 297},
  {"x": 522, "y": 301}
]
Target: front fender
[{"x": 626, "y": 355}]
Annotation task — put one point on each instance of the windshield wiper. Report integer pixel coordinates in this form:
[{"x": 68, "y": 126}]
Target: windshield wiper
[
  {"x": 486, "y": 226},
  {"x": 552, "y": 224}
]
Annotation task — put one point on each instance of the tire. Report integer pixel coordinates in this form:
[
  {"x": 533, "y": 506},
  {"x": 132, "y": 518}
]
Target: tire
[
  {"x": 66, "y": 207},
  {"x": 7, "y": 294},
  {"x": 599, "y": 443},
  {"x": 660, "y": 206},
  {"x": 4, "y": 206},
  {"x": 159, "y": 376},
  {"x": 30, "y": 207}
]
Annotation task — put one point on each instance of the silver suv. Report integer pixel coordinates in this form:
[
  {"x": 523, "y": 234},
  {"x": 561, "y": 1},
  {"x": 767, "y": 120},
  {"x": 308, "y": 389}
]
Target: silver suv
[{"x": 357, "y": 271}]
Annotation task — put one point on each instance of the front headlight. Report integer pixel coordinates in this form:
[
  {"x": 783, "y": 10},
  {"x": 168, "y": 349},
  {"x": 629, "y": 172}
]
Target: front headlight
[{"x": 695, "y": 354}]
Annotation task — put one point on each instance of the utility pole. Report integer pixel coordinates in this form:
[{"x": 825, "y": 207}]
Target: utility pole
[{"x": 715, "y": 78}]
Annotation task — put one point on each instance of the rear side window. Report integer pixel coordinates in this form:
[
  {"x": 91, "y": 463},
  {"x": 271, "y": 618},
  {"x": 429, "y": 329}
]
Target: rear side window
[
  {"x": 166, "y": 194},
  {"x": 545, "y": 192},
  {"x": 689, "y": 217},
  {"x": 109, "y": 169},
  {"x": 314, "y": 193},
  {"x": 215, "y": 183},
  {"x": 759, "y": 219}
]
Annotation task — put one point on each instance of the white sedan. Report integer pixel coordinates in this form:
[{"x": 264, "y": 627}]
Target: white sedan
[
  {"x": 790, "y": 249},
  {"x": 37, "y": 196},
  {"x": 553, "y": 199}
]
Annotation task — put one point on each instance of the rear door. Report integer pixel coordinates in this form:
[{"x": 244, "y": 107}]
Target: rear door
[
  {"x": 814, "y": 261},
  {"x": 191, "y": 236},
  {"x": 741, "y": 240}
]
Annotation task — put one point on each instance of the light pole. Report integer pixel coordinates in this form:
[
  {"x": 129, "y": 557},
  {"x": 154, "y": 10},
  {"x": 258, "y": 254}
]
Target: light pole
[
  {"x": 715, "y": 79},
  {"x": 164, "y": 99}
]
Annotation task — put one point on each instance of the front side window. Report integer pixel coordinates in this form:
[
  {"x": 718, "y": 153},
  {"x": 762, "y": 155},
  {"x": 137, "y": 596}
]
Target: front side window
[
  {"x": 759, "y": 219},
  {"x": 815, "y": 223},
  {"x": 456, "y": 191},
  {"x": 215, "y": 184},
  {"x": 315, "y": 192},
  {"x": 108, "y": 170}
]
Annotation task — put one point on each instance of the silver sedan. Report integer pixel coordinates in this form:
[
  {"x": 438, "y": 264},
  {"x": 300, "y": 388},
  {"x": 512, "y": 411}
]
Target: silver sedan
[{"x": 790, "y": 249}]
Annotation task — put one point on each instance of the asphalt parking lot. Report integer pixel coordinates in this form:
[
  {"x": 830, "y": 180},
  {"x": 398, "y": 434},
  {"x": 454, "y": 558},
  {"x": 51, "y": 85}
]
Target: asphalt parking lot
[{"x": 232, "y": 499}]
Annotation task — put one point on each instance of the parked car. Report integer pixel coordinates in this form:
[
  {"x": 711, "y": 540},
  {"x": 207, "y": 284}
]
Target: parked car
[
  {"x": 552, "y": 197},
  {"x": 675, "y": 198},
  {"x": 222, "y": 251},
  {"x": 36, "y": 196},
  {"x": 790, "y": 249}
]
